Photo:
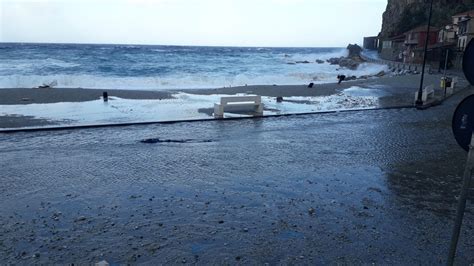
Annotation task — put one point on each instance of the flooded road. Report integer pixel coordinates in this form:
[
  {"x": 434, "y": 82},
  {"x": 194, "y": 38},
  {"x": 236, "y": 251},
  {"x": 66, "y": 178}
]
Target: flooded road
[{"x": 361, "y": 187}]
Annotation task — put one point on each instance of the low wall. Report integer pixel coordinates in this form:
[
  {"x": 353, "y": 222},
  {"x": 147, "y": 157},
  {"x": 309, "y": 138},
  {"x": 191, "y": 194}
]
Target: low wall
[{"x": 398, "y": 66}]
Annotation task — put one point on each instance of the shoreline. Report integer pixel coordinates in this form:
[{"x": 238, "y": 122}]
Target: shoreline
[
  {"x": 390, "y": 91},
  {"x": 396, "y": 84}
]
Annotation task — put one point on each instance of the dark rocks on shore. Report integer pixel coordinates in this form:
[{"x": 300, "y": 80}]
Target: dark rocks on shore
[
  {"x": 380, "y": 74},
  {"x": 344, "y": 62},
  {"x": 352, "y": 61},
  {"x": 354, "y": 50},
  {"x": 319, "y": 61}
]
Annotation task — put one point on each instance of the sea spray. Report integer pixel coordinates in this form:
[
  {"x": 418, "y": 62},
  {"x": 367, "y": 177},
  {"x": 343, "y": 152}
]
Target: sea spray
[{"x": 167, "y": 67}]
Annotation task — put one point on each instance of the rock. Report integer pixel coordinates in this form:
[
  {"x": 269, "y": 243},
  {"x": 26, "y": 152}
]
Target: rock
[
  {"x": 302, "y": 62},
  {"x": 380, "y": 74},
  {"x": 80, "y": 219},
  {"x": 344, "y": 62},
  {"x": 354, "y": 50},
  {"x": 335, "y": 60},
  {"x": 279, "y": 99},
  {"x": 319, "y": 61},
  {"x": 311, "y": 85},
  {"x": 311, "y": 211}
]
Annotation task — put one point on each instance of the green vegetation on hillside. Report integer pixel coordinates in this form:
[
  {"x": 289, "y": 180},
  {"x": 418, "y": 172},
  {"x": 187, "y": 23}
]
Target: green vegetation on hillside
[{"x": 416, "y": 14}]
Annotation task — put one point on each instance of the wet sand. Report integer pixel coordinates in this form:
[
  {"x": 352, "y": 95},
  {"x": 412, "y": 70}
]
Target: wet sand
[
  {"x": 55, "y": 95},
  {"x": 376, "y": 187},
  {"x": 397, "y": 90},
  {"x": 405, "y": 84}
]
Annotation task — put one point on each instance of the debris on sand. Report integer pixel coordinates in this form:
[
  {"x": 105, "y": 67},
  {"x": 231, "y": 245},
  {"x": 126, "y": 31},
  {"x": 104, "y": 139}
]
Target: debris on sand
[{"x": 157, "y": 140}]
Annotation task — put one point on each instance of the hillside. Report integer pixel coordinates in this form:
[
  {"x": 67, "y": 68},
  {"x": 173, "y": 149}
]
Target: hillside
[{"x": 403, "y": 15}]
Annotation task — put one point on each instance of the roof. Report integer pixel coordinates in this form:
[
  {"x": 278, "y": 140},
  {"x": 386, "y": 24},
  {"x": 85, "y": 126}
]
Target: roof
[
  {"x": 465, "y": 13},
  {"x": 422, "y": 29}
]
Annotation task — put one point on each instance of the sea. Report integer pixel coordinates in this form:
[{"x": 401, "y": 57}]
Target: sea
[{"x": 157, "y": 67}]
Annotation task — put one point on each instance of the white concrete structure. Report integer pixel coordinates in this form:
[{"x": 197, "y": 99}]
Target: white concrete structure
[
  {"x": 428, "y": 92},
  {"x": 239, "y": 103}
]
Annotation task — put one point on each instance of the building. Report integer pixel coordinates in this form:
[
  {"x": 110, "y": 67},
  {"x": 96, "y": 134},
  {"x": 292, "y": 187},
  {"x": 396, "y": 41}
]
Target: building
[
  {"x": 463, "y": 26},
  {"x": 392, "y": 48},
  {"x": 448, "y": 35},
  {"x": 458, "y": 17},
  {"x": 415, "y": 40},
  {"x": 465, "y": 32},
  {"x": 371, "y": 43}
]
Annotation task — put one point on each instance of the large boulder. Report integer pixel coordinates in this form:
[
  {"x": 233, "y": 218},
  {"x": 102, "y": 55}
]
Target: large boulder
[
  {"x": 354, "y": 50},
  {"x": 352, "y": 61}
]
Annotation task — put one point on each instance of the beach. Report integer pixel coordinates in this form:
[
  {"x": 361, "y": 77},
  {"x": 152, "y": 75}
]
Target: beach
[
  {"x": 389, "y": 91},
  {"x": 351, "y": 188}
]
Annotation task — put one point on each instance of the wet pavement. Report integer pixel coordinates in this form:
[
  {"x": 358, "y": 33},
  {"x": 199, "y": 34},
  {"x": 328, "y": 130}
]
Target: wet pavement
[{"x": 358, "y": 187}]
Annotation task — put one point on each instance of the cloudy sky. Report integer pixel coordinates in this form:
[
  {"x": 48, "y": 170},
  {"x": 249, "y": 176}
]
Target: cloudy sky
[{"x": 310, "y": 23}]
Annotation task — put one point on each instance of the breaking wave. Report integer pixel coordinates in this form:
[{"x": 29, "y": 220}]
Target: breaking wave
[{"x": 167, "y": 67}]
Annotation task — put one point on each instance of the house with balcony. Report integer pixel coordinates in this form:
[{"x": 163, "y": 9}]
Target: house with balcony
[
  {"x": 465, "y": 32},
  {"x": 415, "y": 40},
  {"x": 448, "y": 35}
]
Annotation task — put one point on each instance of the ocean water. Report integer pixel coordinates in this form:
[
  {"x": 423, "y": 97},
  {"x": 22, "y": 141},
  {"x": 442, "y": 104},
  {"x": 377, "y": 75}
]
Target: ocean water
[{"x": 166, "y": 67}]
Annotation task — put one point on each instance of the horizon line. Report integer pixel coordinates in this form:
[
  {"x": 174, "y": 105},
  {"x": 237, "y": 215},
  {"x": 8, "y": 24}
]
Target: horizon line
[{"x": 175, "y": 45}]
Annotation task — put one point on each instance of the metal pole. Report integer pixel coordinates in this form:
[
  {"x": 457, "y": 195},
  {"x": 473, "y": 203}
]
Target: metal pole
[
  {"x": 446, "y": 62},
  {"x": 419, "y": 101},
  {"x": 445, "y": 69},
  {"x": 461, "y": 204}
]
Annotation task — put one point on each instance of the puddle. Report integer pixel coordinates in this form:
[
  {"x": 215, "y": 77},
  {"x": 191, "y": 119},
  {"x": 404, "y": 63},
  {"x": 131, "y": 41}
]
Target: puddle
[{"x": 365, "y": 92}]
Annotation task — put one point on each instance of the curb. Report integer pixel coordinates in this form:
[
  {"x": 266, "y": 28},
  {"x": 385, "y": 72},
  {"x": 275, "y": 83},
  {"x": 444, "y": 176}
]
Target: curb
[{"x": 59, "y": 128}]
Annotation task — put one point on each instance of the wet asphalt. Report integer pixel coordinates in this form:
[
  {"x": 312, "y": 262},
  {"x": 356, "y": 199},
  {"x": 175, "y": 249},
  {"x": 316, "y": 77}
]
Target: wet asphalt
[{"x": 358, "y": 187}]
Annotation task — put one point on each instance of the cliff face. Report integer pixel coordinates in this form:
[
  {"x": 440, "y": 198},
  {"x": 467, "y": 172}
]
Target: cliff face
[{"x": 403, "y": 15}]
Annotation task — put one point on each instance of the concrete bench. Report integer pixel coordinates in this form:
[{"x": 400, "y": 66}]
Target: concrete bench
[
  {"x": 428, "y": 92},
  {"x": 454, "y": 81},
  {"x": 239, "y": 104}
]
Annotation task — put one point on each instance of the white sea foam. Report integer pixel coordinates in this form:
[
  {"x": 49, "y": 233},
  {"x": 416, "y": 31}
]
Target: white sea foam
[
  {"x": 289, "y": 75},
  {"x": 182, "y": 107}
]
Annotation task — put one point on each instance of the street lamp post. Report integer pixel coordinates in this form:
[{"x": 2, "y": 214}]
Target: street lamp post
[{"x": 419, "y": 101}]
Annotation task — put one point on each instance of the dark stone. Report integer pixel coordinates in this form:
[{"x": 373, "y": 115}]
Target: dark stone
[
  {"x": 354, "y": 50},
  {"x": 157, "y": 140},
  {"x": 311, "y": 85},
  {"x": 279, "y": 99}
]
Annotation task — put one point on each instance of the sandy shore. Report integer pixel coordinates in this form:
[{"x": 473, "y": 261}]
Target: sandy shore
[
  {"x": 396, "y": 91},
  {"x": 54, "y": 95},
  {"x": 395, "y": 84}
]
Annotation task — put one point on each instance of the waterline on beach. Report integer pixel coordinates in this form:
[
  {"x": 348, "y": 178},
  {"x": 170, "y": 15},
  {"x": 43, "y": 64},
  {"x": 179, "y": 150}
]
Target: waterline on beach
[{"x": 182, "y": 106}]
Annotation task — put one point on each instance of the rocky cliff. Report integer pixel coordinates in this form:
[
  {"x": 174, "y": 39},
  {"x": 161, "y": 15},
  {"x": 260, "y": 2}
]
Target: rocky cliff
[{"x": 403, "y": 15}]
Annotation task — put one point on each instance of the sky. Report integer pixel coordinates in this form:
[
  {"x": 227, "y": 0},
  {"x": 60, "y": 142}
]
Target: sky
[{"x": 273, "y": 23}]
